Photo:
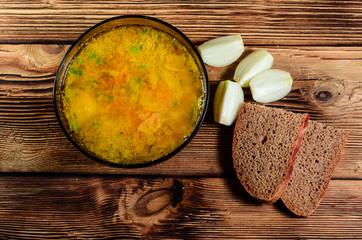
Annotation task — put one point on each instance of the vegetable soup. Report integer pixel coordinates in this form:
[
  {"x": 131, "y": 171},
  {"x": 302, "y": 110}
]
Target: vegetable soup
[{"x": 132, "y": 95}]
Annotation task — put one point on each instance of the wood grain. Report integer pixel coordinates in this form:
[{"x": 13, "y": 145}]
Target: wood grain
[
  {"x": 275, "y": 22},
  {"x": 32, "y": 141},
  {"x": 50, "y": 207},
  {"x": 198, "y": 195}
]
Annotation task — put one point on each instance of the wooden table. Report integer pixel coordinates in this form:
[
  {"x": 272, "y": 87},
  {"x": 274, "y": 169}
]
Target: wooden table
[{"x": 50, "y": 190}]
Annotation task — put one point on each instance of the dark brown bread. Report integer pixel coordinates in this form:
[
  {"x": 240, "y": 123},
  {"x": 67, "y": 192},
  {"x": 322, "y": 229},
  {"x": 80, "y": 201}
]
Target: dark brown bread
[
  {"x": 318, "y": 155},
  {"x": 265, "y": 143}
]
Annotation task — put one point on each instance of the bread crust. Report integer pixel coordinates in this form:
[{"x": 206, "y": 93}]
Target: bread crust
[
  {"x": 288, "y": 174},
  {"x": 237, "y": 124}
]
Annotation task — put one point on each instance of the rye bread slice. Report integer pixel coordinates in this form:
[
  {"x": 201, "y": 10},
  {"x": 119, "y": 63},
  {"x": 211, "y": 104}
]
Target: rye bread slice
[
  {"x": 318, "y": 155},
  {"x": 265, "y": 144}
]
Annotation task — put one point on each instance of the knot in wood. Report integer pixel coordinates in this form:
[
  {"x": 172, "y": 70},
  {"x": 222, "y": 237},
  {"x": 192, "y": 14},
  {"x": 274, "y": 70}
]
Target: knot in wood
[
  {"x": 153, "y": 202},
  {"x": 327, "y": 91},
  {"x": 323, "y": 95},
  {"x": 157, "y": 200}
]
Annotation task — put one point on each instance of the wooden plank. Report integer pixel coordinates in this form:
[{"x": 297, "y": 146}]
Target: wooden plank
[
  {"x": 48, "y": 207},
  {"x": 32, "y": 141},
  {"x": 298, "y": 22}
]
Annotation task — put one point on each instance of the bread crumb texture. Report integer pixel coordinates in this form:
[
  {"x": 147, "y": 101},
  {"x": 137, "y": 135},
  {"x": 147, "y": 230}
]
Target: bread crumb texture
[
  {"x": 264, "y": 139},
  {"x": 314, "y": 164}
]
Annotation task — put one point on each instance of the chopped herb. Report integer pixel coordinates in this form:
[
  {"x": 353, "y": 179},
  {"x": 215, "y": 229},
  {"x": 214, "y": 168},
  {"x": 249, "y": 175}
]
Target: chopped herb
[
  {"x": 139, "y": 80},
  {"x": 79, "y": 61},
  {"x": 99, "y": 61},
  {"x": 134, "y": 49},
  {"x": 80, "y": 72},
  {"x": 145, "y": 30},
  {"x": 92, "y": 55},
  {"x": 141, "y": 47},
  {"x": 143, "y": 66},
  {"x": 96, "y": 123},
  {"x": 110, "y": 98},
  {"x": 120, "y": 134},
  {"x": 176, "y": 102},
  {"x": 180, "y": 81},
  {"x": 71, "y": 92},
  {"x": 74, "y": 125},
  {"x": 72, "y": 71},
  {"x": 75, "y": 116},
  {"x": 91, "y": 82},
  {"x": 99, "y": 93}
]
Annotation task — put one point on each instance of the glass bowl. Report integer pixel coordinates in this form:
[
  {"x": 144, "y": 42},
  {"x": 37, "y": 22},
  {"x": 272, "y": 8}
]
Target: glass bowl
[{"x": 106, "y": 25}]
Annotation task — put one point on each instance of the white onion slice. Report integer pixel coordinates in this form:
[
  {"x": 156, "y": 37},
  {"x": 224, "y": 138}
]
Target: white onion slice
[
  {"x": 251, "y": 65},
  {"x": 270, "y": 85},
  {"x": 222, "y": 51},
  {"x": 228, "y": 99}
]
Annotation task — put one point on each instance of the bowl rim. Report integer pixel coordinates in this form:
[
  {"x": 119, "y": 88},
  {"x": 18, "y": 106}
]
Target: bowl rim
[{"x": 175, "y": 151}]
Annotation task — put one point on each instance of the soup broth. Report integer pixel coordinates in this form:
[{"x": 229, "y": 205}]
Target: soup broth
[{"x": 132, "y": 95}]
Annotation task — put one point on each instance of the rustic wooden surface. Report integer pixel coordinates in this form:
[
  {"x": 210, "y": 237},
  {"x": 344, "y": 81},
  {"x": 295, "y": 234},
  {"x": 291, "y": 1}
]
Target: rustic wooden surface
[
  {"x": 50, "y": 190},
  {"x": 164, "y": 208}
]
